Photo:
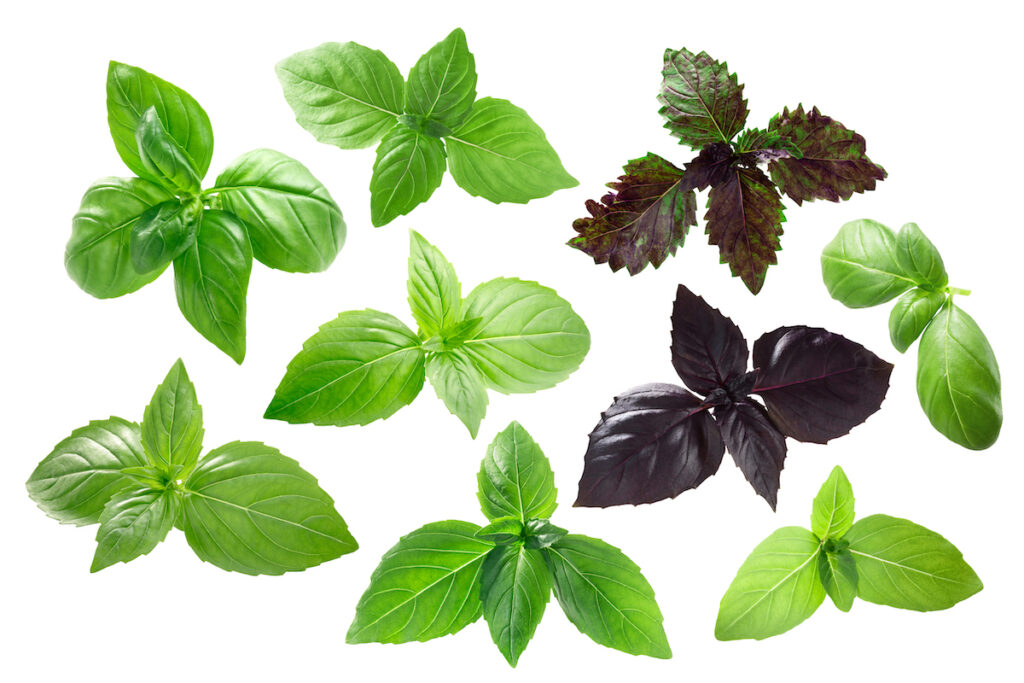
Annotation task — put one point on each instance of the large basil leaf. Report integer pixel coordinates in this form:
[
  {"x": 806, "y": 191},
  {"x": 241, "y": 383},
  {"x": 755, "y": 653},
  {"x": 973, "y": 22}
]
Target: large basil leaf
[
  {"x": 919, "y": 258},
  {"x": 958, "y": 379},
  {"x": 902, "y": 564},
  {"x": 833, "y": 512},
  {"x": 776, "y": 588},
  {"x": 133, "y": 522},
  {"x": 293, "y": 223},
  {"x": 435, "y": 295},
  {"x": 172, "y": 427},
  {"x": 442, "y": 84},
  {"x": 458, "y": 383},
  {"x": 163, "y": 233},
  {"x": 82, "y": 472},
  {"x": 362, "y": 366},
  {"x": 529, "y": 338},
  {"x": 757, "y": 446},
  {"x": 249, "y": 509},
  {"x": 500, "y": 154},
  {"x": 163, "y": 157},
  {"x": 838, "y": 571},
  {"x": 426, "y": 586},
  {"x": 409, "y": 167},
  {"x": 707, "y": 347},
  {"x": 702, "y": 102},
  {"x": 515, "y": 589},
  {"x": 344, "y": 94},
  {"x": 860, "y": 267},
  {"x": 911, "y": 314},
  {"x": 605, "y": 596},
  {"x": 515, "y": 478}
]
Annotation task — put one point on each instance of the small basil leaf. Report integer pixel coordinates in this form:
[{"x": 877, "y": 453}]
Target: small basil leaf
[
  {"x": 515, "y": 478},
  {"x": 832, "y": 512},
  {"x": 458, "y": 383},
  {"x": 459, "y": 332},
  {"x": 442, "y": 84},
  {"x": 838, "y": 572},
  {"x": 163, "y": 157},
  {"x": 424, "y": 126},
  {"x": 172, "y": 427},
  {"x": 147, "y": 475},
  {"x": 435, "y": 295},
  {"x": 133, "y": 522},
  {"x": 911, "y": 314},
  {"x": 540, "y": 533},
  {"x": 707, "y": 347},
  {"x": 919, "y": 258},
  {"x": 860, "y": 267},
  {"x": 409, "y": 167},
  {"x": 515, "y": 589},
  {"x": 502, "y": 531},
  {"x": 701, "y": 101},
  {"x": 162, "y": 234},
  {"x": 757, "y": 446}
]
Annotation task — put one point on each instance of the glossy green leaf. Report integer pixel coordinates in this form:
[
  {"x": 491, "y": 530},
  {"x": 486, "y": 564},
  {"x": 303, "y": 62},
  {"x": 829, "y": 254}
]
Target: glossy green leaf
[
  {"x": 911, "y": 314},
  {"x": 515, "y": 478},
  {"x": 604, "y": 594},
  {"x": 133, "y": 522},
  {"x": 442, "y": 84},
  {"x": 500, "y": 154},
  {"x": 515, "y": 590},
  {"x": 529, "y": 337},
  {"x": 249, "y": 509},
  {"x": 435, "y": 295},
  {"x": 163, "y": 157},
  {"x": 838, "y": 572},
  {"x": 904, "y": 565},
  {"x": 502, "y": 531},
  {"x": 344, "y": 94},
  {"x": 409, "y": 167},
  {"x": 541, "y": 533},
  {"x": 292, "y": 221},
  {"x": 172, "y": 427},
  {"x": 362, "y": 366},
  {"x": 919, "y": 258},
  {"x": 458, "y": 383},
  {"x": 776, "y": 588},
  {"x": 426, "y": 586},
  {"x": 860, "y": 266},
  {"x": 82, "y": 472},
  {"x": 163, "y": 233},
  {"x": 832, "y": 512}
]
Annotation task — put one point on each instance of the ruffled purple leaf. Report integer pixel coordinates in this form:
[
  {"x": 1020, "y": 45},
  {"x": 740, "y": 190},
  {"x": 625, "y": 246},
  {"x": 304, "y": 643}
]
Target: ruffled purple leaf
[
  {"x": 707, "y": 347},
  {"x": 757, "y": 447}
]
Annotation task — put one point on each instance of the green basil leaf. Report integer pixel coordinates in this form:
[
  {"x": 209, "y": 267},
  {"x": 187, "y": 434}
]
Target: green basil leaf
[
  {"x": 82, "y": 472},
  {"x": 860, "y": 265},
  {"x": 344, "y": 94},
  {"x": 163, "y": 157},
  {"x": 919, "y": 258},
  {"x": 293, "y": 223},
  {"x": 211, "y": 279},
  {"x": 500, "y": 154},
  {"x": 911, "y": 314},
  {"x": 162, "y": 233},
  {"x": 904, "y": 565},
  {"x": 409, "y": 167},
  {"x": 958, "y": 380},
  {"x": 426, "y": 586},
  {"x": 529, "y": 337},
  {"x": 442, "y": 84},
  {"x": 838, "y": 572},
  {"x": 130, "y": 92},
  {"x": 249, "y": 509},
  {"x": 502, "y": 531},
  {"x": 435, "y": 295},
  {"x": 776, "y": 588},
  {"x": 458, "y": 383},
  {"x": 97, "y": 256},
  {"x": 540, "y": 533},
  {"x": 515, "y": 478},
  {"x": 605, "y": 596},
  {"x": 516, "y": 588},
  {"x": 832, "y": 513},
  {"x": 172, "y": 427},
  {"x": 362, "y": 366},
  {"x": 133, "y": 522}
]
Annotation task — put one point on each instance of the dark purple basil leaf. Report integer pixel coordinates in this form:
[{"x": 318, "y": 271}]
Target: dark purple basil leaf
[
  {"x": 817, "y": 385},
  {"x": 707, "y": 347},
  {"x": 757, "y": 447},
  {"x": 654, "y": 442},
  {"x": 739, "y": 386},
  {"x": 642, "y": 221},
  {"x": 710, "y": 167}
]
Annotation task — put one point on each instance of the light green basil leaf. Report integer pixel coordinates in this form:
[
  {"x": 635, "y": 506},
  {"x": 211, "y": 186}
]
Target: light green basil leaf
[
  {"x": 130, "y": 92},
  {"x": 211, "y": 279},
  {"x": 292, "y": 221},
  {"x": 442, "y": 84},
  {"x": 82, "y": 472},
  {"x": 163, "y": 233},
  {"x": 500, "y": 154},
  {"x": 540, "y": 533},
  {"x": 776, "y": 588},
  {"x": 133, "y": 522},
  {"x": 529, "y": 337},
  {"x": 958, "y": 380},
  {"x": 249, "y": 509},
  {"x": 163, "y": 157},
  {"x": 409, "y": 167},
  {"x": 838, "y": 572},
  {"x": 902, "y": 564},
  {"x": 362, "y": 366},
  {"x": 919, "y": 258},
  {"x": 515, "y": 478},
  {"x": 344, "y": 94},
  {"x": 605, "y": 596},
  {"x": 911, "y": 314},
  {"x": 516, "y": 588},
  {"x": 502, "y": 531},
  {"x": 426, "y": 586},
  {"x": 435, "y": 295},
  {"x": 172, "y": 427},
  {"x": 97, "y": 256},
  {"x": 458, "y": 383},
  {"x": 832, "y": 511},
  {"x": 860, "y": 267}
]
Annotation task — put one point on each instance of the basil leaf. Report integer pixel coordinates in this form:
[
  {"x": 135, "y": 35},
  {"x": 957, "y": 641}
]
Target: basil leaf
[
  {"x": 82, "y": 472},
  {"x": 172, "y": 427},
  {"x": 97, "y": 256},
  {"x": 515, "y": 478},
  {"x": 292, "y": 221},
  {"x": 702, "y": 102},
  {"x": 344, "y": 94},
  {"x": 133, "y": 522},
  {"x": 776, "y": 588},
  {"x": 435, "y": 295},
  {"x": 211, "y": 279},
  {"x": 161, "y": 234},
  {"x": 442, "y": 84},
  {"x": 130, "y": 92},
  {"x": 707, "y": 347},
  {"x": 904, "y": 565},
  {"x": 860, "y": 267},
  {"x": 838, "y": 572},
  {"x": 832, "y": 514},
  {"x": 515, "y": 589},
  {"x": 757, "y": 446},
  {"x": 458, "y": 383},
  {"x": 163, "y": 157},
  {"x": 540, "y": 533},
  {"x": 605, "y": 596},
  {"x": 919, "y": 258},
  {"x": 958, "y": 379},
  {"x": 409, "y": 167},
  {"x": 529, "y": 337},
  {"x": 911, "y": 314},
  {"x": 362, "y": 366},
  {"x": 249, "y": 509},
  {"x": 426, "y": 586},
  {"x": 503, "y": 531},
  {"x": 500, "y": 154}
]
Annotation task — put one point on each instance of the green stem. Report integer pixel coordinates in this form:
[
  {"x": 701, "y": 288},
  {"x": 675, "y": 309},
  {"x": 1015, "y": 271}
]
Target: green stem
[{"x": 956, "y": 290}]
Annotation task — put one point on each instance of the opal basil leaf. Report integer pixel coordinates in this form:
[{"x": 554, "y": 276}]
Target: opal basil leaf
[
  {"x": 707, "y": 347},
  {"x": 860, "y": 267},
  {"x": 134, "y": 522},
  {"x": 172, "y": 428},
  {"x": 701, "y": 101},
  {"x": 832, "y": 513},
  {"x": 516, "y": 587},
  {"x": 919, "y": 258},
  {"x": 435, "y": 295},
  {"x": 161, "y": 234},
  {"x": 758, "y": 448},
  {"x": 765, "y": 145},
  {"x": 409, "y": 167},
  {"x": 515, "y": 478},
  {"x": 458, "y": 383},
  {"x": 838, "y": 572},
  {"x": 442, "y": 84},
  {"x": 163, "y": 157},
  {"x": 911, "y": 315}
]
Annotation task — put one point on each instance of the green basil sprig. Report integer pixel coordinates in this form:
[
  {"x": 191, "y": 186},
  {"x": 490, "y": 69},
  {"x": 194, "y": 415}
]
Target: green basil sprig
[
  {"x": 882, "y": 559},
  {"x": 351, "y": 96},
  {"x": 244, "y": 506},
  {"x": 958, "y": 380},
  {"x": 446, "y": 575},
  {"x": 128, "y": 230}
]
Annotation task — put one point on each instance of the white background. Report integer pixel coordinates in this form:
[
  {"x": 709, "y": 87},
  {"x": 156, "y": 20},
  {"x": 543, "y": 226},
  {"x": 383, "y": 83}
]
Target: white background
[{"x": 934, "y": 91}]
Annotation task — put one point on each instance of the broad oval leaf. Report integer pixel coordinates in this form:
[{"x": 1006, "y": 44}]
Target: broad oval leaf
[
  {"x": 133, "y": 522},
  {"x": 838, "y": 572},
  {"x": 515, "y": 589},
  {"x": 911, "y": 315},
  {"x": 529, "y": 338},
  {"x": 172, "y": 427},
  {"x": 162, "y": 234},
  {"x": 757, "y": 446},
  {"x": 702, "y": 102},
  {"x": 426, "y": 586},
  {"x": 832, "y": 513},
  {"x": 859, "y": 265},
  {"x": 515, "y": 478},
  {"x": 458, "y": 383},
  {"x": 249, "y": 509},
  {"x": 409, "y": 167},
  {"x": 776, "y": 588},
  {"x": 362, "y": 366},
  {"x": 163, "y": 157},
  {"x": 902, "y": 564},
  {"x": 707, "y": 348},
  {"x": 500, "y": 154},
  {"x": 919, "y": 258},
  {"x": 435, "y": 295},
  {"x": 442, "y": 83}
]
